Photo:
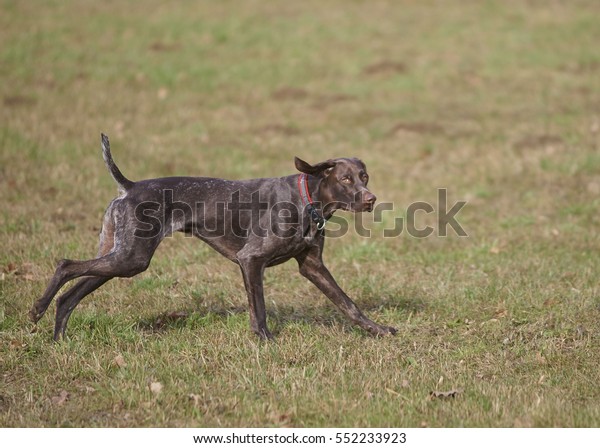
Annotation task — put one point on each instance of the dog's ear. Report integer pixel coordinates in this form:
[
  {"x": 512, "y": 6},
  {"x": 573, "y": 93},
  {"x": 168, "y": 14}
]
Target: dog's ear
[{"x": 314, "y": 170}]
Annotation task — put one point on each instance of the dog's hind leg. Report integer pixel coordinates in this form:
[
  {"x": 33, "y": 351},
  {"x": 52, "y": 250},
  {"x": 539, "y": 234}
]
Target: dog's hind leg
[
  {"x": 107, "y": 239},
  {"x": 128, "y": 255},
  {"x": 41, "y": 305},
  {"x": 67, "y": 302},
  {"x": 125, "y": 262}
]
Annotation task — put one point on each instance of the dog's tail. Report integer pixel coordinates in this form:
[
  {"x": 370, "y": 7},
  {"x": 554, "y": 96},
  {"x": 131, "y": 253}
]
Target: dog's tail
[{"x": 124, "y": 183}]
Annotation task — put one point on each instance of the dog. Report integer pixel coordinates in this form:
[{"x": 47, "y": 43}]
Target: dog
[{"x": 255, "y": 223}]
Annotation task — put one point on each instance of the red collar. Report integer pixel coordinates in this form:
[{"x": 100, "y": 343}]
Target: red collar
[
  {"x": 308, "y": 202},
  {"x": 303, "y": 189}
]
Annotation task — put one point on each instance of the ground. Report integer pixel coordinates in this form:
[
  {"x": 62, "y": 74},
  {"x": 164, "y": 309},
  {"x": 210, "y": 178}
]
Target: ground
[{"x": 497, "y": 102}]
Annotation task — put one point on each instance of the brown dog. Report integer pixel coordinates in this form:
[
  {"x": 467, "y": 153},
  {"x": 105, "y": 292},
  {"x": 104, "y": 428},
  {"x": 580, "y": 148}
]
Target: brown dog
[{"x": 255, "y": 223}]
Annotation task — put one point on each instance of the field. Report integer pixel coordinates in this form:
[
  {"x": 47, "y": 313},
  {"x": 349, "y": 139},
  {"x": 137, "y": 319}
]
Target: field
[{"x": 497, "y": 102}]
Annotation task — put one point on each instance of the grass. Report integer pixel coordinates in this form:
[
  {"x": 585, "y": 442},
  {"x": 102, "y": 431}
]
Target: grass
[{"x": 496, "y": 101}]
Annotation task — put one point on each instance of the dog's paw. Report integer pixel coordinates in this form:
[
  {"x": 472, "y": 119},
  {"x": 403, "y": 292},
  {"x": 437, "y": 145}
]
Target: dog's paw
[
  {"x": 383, "y": 330},
  {"x": 264, "y": 334},
  {"x": 35, "y": 315}
]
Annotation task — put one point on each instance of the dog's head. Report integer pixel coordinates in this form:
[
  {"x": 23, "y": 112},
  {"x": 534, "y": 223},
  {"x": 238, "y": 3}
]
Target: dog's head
[{"x": 343, "y": 183}]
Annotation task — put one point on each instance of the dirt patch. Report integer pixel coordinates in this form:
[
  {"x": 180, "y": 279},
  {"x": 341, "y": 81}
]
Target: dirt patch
[
  {"x": 290, "y": 94},
  {"x": 336, "y": 98},
  {"x": 162, "y": 47},
  {"x": 538, "y": 141},
  {"x": 278, "y": 129},
  {"x": 581, "y": 68},
  {"x": 49, "y": 193},
  {"x": 331, "y": 99},
  {"x": 417, "y": 127},
  {"x": 385, "y": 67},
  {"x": 19, "y": 100},
  {"x": 320, "y": 100}
]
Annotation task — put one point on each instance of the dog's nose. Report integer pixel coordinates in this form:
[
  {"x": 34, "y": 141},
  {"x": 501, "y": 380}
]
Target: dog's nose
[{"x": 369, "y": 198}]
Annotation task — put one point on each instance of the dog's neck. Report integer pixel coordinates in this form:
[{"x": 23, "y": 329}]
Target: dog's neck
[{"x": 319, "y": 192}]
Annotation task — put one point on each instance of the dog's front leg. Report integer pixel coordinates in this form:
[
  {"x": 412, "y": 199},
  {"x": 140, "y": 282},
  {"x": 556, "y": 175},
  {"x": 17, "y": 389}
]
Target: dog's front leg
[
  {"x": 253, "y": 271},
  {"x": 312, "y": 267}
]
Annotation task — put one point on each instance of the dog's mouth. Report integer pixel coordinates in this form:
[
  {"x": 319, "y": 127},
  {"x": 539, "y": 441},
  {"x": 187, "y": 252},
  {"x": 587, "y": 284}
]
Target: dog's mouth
[
  {"x": 356, "y": 207},
  {"x": 359, "y": 207}
]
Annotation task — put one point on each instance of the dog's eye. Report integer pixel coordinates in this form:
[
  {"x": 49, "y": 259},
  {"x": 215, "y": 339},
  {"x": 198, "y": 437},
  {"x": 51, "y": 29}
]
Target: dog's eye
[
  {"x": 365, "y": 178},
  {"x": 346, "y": 180}
]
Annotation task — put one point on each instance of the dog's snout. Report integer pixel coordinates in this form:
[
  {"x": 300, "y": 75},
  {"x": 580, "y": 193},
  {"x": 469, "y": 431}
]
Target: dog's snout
[{"x": 369, "y": 198}]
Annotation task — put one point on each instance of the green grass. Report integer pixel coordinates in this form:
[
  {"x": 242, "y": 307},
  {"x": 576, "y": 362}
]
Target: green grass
[{"x": 496, "y": 101}]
